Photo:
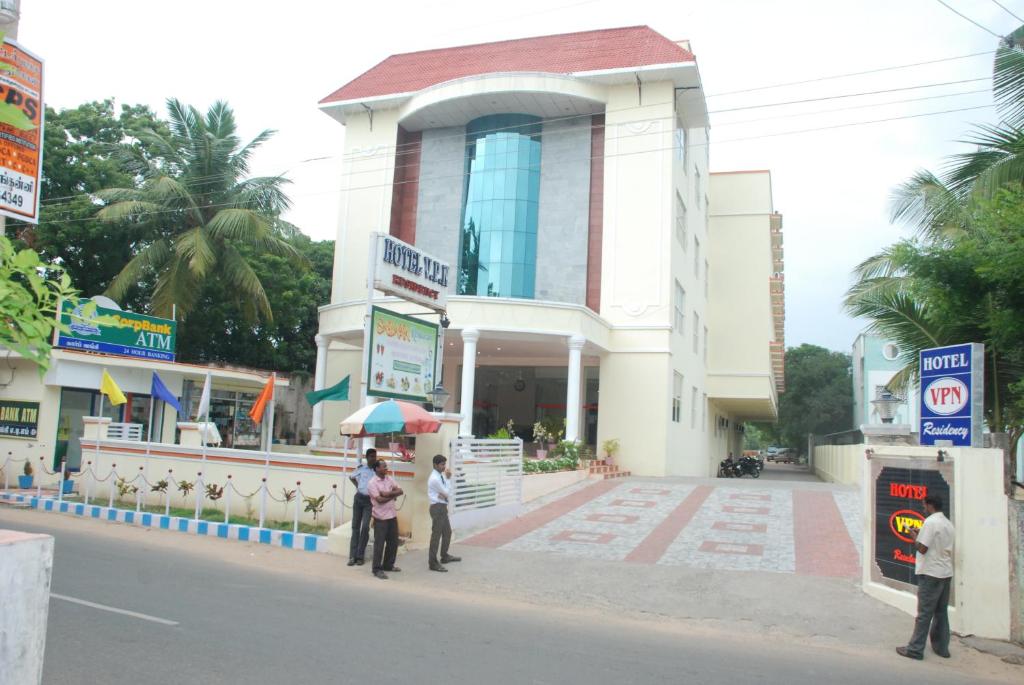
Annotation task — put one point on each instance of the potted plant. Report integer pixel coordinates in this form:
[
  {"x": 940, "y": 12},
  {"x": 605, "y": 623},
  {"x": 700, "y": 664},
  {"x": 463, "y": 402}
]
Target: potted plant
[
  {"x": 68, "y": 485},
  {"x": 610, "y": 447},
  {"x": 541, "y": 437},
  {"x": 25, "y": 481},
  {"x": 553, "y": 430}
]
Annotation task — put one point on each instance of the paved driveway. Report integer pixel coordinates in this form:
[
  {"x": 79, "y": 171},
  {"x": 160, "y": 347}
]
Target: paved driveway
[{"x": 780, "y": 527}]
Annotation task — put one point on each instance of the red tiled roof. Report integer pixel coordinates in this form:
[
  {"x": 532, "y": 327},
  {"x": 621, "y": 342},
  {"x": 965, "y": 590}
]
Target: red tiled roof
[{"x": 634, "y": 46}]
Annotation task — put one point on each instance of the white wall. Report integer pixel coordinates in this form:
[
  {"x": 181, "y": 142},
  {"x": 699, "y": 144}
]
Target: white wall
[{"x": 26, "y": 564}]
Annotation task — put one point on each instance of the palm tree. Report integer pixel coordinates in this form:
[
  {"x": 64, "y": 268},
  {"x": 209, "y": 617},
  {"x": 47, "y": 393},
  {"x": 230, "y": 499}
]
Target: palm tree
[{"x": 194, "y": 196}]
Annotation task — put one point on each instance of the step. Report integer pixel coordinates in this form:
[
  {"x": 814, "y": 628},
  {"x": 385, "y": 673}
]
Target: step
[{"x": 616, "y": 474}]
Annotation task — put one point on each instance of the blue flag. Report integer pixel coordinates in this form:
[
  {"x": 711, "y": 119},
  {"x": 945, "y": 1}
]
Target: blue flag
[{"x": 160, "y": 392}]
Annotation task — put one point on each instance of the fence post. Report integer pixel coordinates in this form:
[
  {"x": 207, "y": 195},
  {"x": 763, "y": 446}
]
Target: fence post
[
  {"x": 263, "y": 501},
  {"x": 227, "y": 501},
  {"x": 334, "y": 502},
  {"x": 138, "y": 490},
  {"x": 7, "y": 472},
  {"x": 170, "y": 484},
  {"x": 60, "y": 485},
  {"x": 39, "y": 482},
  {"x": 298, "y": 499},
  {"x": 88, "y": 483},
  {"x": 113, "y": 473},
  {"x": 199, "y": 493}
]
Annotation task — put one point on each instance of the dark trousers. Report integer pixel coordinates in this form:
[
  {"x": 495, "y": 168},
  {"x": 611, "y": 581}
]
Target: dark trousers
[
  {"x": 440, "y": 532},
  {"x": 932, "y": 601},
  {"x": 361, "y": 508},
  {"x": 385, "y": 543}
]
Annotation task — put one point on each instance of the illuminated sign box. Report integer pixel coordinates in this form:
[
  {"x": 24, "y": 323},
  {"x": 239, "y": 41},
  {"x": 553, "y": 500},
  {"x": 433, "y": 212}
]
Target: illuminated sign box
[
  {"x": 137, "y": 335},
  {"x": 408, "y": 272},
  {"x": 402, "y": 354},
  {"x": 952, "y": 395}
]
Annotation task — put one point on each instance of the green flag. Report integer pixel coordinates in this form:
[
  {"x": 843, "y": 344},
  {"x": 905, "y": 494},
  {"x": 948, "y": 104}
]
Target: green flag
[{"x": 335, "y": 392}]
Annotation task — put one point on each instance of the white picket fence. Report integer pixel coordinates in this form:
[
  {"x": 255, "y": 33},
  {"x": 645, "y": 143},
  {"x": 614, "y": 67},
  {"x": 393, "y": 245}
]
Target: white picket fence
[{"x": 488, "y": 479}]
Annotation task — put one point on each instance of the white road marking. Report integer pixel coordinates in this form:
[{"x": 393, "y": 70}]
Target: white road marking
[{"x": 115, "y": 610}]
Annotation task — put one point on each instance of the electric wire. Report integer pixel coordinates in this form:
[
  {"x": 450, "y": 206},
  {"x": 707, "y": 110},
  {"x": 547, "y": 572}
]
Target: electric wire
[
  {"x": 964, "y": 16},
  {"x": 1007, "y": 10}
]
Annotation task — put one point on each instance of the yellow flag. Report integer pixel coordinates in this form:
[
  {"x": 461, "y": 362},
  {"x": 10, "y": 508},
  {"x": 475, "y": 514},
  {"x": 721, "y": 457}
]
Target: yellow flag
[{"x": 109, "y": 388}]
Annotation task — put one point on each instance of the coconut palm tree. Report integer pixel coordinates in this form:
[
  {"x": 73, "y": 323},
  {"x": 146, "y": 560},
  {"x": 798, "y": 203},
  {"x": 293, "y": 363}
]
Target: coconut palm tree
[{"x": 194, "y": 195}]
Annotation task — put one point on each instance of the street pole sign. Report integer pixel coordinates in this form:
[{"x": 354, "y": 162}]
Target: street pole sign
[{"x": 952, "y": 395}]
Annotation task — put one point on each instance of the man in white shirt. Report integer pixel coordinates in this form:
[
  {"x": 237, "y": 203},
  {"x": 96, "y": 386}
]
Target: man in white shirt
[
  {"x": 439, "y": 491},
  {"x": 934, "y": 569}
]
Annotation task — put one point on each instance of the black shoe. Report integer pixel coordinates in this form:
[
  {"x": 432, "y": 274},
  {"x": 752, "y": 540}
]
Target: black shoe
[
  {"x": 351, "y": 562},
  {"x": 380, "y": 574},
  {"x": 439, "y": 568},
  {"x": 450, "y": 559},
  {"x": 944, "y": 655},
  {"x": 903, "y": 651},
  {"x": 393, "y": 569},
  {"x": 360, "y": 562}
]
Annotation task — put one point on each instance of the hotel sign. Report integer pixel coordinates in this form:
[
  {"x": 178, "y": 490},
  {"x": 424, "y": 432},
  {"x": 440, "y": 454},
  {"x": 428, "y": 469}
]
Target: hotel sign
[
  {"x": 407, "y": 272},
  {"x": 132, "y": 335},
  {"x": 952, "y": 395}
]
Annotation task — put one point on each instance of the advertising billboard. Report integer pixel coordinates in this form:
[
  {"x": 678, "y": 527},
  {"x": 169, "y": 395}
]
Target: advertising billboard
[
  {"x": 21, "y": 131},
  {"x": 135, "y": 335},
  {"x": 952, "y": 395},
  {"x": 402, "y": 356}
]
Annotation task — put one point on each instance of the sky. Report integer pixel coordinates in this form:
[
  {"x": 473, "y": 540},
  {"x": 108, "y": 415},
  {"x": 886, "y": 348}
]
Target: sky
[{"x": 273, "y": 61}]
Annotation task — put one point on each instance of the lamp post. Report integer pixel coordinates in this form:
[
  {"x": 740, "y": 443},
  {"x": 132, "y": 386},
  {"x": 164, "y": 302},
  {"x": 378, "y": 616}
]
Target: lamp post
[
  {"x": 438, "y": 398},
  {"x": 887, "y": 405}
]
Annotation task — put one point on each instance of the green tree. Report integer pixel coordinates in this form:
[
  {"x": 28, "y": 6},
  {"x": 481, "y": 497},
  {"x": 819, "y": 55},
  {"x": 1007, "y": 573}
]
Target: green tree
[
  {"x": 207, "y": 219},
  {"x": 218, "y": 330},
  {"x": 818, "y": 397},
  {"x": 79, "y": 159}
]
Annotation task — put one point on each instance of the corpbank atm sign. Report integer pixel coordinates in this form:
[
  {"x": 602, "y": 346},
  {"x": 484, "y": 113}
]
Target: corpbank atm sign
[{"x": 952, "y": 395}]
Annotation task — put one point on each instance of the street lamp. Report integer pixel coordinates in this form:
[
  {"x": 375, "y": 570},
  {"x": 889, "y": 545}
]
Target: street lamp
[
  {"x": 887, "y": 405},
  {"x": 438, "y": 397}
]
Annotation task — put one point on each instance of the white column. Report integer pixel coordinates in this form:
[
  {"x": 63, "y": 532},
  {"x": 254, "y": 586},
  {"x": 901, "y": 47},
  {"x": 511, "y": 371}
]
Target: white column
[
  {"x": 572, "y": 395},
  {"x": 316, "y": 431},
  {"x": 469, "y": 338}
]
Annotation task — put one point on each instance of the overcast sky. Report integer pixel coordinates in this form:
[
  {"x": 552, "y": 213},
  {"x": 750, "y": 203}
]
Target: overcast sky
[{"x": 273, "y": 61}]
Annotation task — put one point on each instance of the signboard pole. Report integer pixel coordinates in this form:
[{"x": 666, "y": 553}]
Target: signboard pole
[
  {"x": 97, "y": 457},
  {"x": 367, "y": 443},
  {"x": 270, "y": 432}
]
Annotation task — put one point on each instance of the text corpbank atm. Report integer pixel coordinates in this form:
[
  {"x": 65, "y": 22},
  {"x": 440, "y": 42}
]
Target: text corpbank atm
[{"x": 952, "y": 395}]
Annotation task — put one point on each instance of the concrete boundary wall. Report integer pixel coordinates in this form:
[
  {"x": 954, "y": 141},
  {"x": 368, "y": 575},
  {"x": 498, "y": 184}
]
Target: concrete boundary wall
[
  {"x": 26, "y": 566},
  {"x": 981, "y": 573},
  {"x": 842, "y": 464}
]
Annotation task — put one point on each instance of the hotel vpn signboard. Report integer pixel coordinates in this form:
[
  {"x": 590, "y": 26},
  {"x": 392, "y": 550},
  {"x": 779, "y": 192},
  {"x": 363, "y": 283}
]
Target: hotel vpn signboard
[
  {"x": 19, "y": 419},
  {"x": 407, "y": 272},
  {"x": 952, "y": 395},
  {"x": 402, "y": 352},
  {"x": 900, "y": 487},
  {"x": 135, "y": 335},
  {"x": 21, "y": 131}
]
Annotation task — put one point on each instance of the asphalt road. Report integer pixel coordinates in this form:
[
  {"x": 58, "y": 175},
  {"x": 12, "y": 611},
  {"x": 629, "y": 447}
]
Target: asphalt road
[{"x": 201, "y": 619}]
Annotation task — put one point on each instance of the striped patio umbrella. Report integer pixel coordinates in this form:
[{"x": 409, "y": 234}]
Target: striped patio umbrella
[{"x": 392, "y": 416}]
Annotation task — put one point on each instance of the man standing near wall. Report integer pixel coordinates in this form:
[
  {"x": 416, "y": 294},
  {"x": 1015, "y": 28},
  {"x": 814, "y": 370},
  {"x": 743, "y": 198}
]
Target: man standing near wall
[
  {"x": 934, "y": 569},
  {"x": 361, "y": 508},
  {"x": 439, "y": 492},
  {"x": 383, "y": 492}
]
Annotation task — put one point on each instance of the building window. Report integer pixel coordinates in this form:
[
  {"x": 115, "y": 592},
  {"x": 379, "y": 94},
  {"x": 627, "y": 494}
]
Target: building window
[
  {"x": 704, "y": 413},
  {"x": 696, "y": 257},
  {"x": 697, "y": 194},
  {"x": 498, "y": 245},
  {"x": 891, "y": 351},
  {"x": 680, "y": 323},
  {"x": 680, "y": 146},
  {"x": 693, "y": 407},
  {"x": 696, "y": 332},
  {"x": 705, "y": 344},
  {"x": 677, "y": 396},
  {"x": 681, "y": 220}
]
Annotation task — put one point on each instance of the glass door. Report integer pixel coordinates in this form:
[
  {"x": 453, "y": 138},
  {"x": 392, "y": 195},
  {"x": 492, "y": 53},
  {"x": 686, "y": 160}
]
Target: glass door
[{"x": 74, "y": 405}]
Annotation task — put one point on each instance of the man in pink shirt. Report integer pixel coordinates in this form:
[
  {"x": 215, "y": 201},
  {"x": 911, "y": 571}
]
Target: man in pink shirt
[{"x": 383, "y": 493}]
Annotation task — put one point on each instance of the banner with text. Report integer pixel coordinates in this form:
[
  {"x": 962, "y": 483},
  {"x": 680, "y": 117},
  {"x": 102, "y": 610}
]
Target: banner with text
[
  {"x": 19, "y": 419},
  {"x": 402, "y": 354},
  {"x": 21, "y": 131},
  {"x": 136, "y": 335}
]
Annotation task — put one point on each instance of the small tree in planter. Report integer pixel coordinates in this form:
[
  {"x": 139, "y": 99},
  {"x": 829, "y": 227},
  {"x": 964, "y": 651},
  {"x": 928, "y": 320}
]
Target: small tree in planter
[
  {"x": 541, "y": 437},
  {"x": 611, "y": 448},
  {"x": 25, "y": 481}
]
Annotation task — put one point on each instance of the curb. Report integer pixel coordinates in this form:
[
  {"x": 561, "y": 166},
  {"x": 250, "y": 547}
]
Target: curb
[{"x": 305, "y": 542}]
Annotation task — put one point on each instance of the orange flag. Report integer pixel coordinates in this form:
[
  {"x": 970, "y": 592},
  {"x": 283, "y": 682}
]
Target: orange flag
[{"x": 256, "y": 413}]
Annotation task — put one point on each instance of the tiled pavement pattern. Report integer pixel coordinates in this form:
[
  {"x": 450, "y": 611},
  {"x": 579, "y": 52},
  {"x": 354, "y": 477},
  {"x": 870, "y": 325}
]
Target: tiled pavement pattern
[{"x": 709, "y": 526}]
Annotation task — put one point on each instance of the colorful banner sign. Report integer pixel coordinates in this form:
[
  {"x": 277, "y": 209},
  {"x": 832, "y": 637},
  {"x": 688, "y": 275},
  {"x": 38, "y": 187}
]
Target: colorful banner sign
[
  {"x": 409, "y": 273},
  {"x": 137, "y": 335},
  {"x": 899, "y": 508},
  {"x": 19, "y": 419},
  {"x": 402, "y": 354},
  {"x": 952, "y": 395},
  {"x": 21, "y": 131}
]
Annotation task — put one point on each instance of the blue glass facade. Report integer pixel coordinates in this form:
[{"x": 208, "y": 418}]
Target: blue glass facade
[{"x": 498, "y": 245}]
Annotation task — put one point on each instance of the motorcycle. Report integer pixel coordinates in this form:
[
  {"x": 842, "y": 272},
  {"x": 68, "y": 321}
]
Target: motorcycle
[
  {"x": 729, "y": 469},
  {"x": 749, "y": 466}
]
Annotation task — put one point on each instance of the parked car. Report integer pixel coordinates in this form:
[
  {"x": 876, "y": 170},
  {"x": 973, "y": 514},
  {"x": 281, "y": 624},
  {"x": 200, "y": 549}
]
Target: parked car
[{"x": 784, "y": 455}]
